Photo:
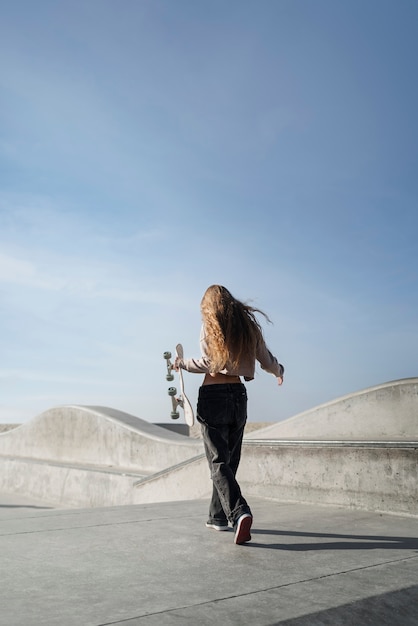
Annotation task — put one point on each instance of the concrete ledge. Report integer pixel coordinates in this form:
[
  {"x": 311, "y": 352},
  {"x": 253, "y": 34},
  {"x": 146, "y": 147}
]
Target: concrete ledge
[
  {"x": 77, "y": 485},
  {"x": 66, "y": 485},
  {"x": 376, "y": 476}
]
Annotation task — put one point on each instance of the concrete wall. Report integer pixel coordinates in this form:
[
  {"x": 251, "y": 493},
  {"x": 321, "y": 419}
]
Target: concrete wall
[
  {"x": 387, "y": 412},
  {"x": 376, "y": 477},
  {"x": 66, "y": 486}
]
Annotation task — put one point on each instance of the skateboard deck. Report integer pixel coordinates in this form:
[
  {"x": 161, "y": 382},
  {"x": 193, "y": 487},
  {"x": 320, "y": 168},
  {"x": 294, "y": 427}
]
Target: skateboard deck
[{"x": 182, "y": 400}]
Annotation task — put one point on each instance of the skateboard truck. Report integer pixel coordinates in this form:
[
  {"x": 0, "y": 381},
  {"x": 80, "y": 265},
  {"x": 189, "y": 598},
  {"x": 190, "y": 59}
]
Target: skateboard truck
[
  {"x": 172, "y": 393},
  {"x": 167, "y": 356}
]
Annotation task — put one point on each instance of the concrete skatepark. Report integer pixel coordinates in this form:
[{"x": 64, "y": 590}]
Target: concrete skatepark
[{"x": 102, "y": 519}]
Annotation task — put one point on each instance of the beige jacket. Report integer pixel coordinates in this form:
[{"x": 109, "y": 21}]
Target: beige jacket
[{"x": 246, "y": 368}]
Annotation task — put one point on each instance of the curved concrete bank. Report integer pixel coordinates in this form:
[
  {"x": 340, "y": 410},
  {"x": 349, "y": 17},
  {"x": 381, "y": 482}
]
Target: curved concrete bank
[
  {"x": 98, "y": 436},
  {"x": 387, "y": 412}
]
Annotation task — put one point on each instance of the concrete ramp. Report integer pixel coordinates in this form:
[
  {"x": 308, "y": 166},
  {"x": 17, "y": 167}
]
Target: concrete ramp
[
  {"x": 387, "y": 412},
  {"x": 189, "y": 480},
  {"x": 98, "y": 436}
]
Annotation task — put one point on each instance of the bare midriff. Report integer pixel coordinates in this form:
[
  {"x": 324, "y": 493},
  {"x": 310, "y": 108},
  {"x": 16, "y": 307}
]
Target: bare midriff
[{"x": 216, "y": 379}]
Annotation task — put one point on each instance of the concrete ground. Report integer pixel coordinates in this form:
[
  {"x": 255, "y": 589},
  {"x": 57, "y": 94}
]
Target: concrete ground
[{"x": 157, "y": 564}]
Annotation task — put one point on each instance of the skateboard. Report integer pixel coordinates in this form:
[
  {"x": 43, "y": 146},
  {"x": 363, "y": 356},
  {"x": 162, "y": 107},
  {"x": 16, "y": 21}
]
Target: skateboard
[{"x": 181, "y": 400}]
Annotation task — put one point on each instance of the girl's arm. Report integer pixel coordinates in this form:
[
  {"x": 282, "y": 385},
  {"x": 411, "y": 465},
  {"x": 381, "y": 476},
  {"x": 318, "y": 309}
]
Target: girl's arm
[{"x": 268, "y": 362}]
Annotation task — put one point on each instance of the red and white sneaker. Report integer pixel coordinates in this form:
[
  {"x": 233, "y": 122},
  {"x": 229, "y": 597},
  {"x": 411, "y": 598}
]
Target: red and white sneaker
[{"x": 242, "y": 528}]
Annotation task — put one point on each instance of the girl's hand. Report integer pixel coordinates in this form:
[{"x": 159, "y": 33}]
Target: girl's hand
[
  {"x": 176, "y": 364},
  {"x": 280, "y": 380}
]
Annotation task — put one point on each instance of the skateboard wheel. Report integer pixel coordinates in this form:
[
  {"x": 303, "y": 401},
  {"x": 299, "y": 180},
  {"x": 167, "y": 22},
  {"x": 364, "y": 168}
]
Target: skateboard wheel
[
  {"x": 169, "y": 377},
  {"x": 167, "y": 355},
  {"x": 175, "y": 415},
  {"x": 172, "y": 391}
]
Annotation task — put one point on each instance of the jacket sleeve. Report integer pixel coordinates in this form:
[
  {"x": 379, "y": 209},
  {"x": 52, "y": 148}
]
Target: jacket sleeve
[
  {"x": 195, "y": 366},
  {"x": 198, "y": 366},
  {"x": 268, "y": 362}
]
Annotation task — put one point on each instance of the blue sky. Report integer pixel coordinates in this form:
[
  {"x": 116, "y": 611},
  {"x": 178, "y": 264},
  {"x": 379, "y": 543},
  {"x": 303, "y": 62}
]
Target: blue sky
[{"x": 151, "y": 148}]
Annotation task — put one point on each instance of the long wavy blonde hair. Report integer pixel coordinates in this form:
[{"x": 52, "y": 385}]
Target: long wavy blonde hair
[{"x": 231, "y": 328}]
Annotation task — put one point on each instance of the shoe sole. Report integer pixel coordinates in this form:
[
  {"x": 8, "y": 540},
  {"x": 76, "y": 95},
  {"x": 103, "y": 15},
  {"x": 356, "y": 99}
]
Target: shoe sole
[
  {"x": 243, "y": 534},
  {"x": 215, "y": 527}
]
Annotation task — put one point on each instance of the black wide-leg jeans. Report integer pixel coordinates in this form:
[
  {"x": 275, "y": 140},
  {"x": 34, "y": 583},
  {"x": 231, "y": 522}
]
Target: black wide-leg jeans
[{"x": 222, "y": 413}]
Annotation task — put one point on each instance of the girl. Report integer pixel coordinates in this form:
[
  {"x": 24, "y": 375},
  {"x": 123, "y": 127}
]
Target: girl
[{"x": 231, "y": 341}]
